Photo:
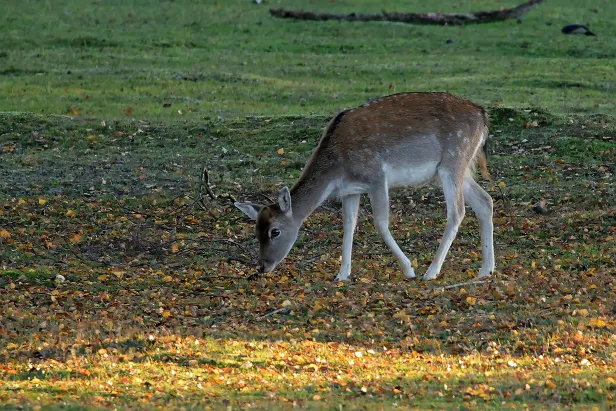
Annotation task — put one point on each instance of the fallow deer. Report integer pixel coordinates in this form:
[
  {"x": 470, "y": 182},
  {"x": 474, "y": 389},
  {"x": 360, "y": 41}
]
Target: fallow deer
[{"x": 402, "y": 140}]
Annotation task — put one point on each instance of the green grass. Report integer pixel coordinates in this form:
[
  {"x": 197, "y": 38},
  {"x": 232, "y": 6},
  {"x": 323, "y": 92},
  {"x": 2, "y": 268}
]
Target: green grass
[
  {"x": 99, "y": 177},
  {"x": 118, "y": 59}
]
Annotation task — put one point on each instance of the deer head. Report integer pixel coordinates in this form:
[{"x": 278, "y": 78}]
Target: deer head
[{"x": 276, "y": 229}]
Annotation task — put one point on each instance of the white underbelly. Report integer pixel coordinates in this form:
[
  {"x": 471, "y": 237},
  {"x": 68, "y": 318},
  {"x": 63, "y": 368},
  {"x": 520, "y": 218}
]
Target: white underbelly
[
  {"x": 410, "y": 176},
  {"x": 395, "y": 176}
]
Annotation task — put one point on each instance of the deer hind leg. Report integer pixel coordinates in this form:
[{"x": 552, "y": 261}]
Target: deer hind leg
[
  {"x": 379, "y": 199},
  {"x": 350, "y": 206},
  {"x": 481, "y": 203},
  {"x": 454, "y": 198}
]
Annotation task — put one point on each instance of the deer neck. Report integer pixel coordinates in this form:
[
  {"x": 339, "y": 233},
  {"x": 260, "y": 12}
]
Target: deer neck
[{"x": 312, "y": 188}]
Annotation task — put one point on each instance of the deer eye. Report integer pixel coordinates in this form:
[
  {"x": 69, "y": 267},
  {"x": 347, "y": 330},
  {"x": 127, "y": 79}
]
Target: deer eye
[{"x": 274, "y": 233}]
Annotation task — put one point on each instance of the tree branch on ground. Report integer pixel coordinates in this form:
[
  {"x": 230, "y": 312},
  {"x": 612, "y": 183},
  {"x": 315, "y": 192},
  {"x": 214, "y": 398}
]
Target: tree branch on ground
[
  {"x": 439, "y": 19},
  {"x": 277, "y": 311},
  {"x": 449, "y": 287}
]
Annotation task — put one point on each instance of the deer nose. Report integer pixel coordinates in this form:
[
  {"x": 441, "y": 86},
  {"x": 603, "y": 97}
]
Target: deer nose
[{"x": 261, "y": 267}]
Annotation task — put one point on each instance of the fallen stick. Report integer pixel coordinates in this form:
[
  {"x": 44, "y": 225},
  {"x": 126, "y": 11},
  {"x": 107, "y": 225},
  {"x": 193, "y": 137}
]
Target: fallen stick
[
  {"x": 277, "y": 311},
  {"x": 448, "y": 287},
  {"x": 439, "y": 19},
  {"x": 205, "y": 182}
]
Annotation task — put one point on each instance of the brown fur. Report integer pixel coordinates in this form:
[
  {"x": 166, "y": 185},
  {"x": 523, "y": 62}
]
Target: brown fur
[
  {"x": 482, "y": 162},
  {"x": 263, "y": 221},
  {"x": 382, "y": 122}
]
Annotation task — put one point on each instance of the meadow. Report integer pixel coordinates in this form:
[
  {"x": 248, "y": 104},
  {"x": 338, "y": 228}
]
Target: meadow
[{"x": 124, "y": 284}]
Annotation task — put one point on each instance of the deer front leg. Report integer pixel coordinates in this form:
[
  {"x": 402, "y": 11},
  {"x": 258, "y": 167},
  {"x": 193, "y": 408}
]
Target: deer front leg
[
  {"x": 350, "y": 206},
  {"x": 379, "y": 199}
]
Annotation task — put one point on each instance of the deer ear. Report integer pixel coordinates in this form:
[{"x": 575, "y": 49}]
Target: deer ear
[
  {"x": 250, "y": 209},
  {"x": 284, "y": 200}
]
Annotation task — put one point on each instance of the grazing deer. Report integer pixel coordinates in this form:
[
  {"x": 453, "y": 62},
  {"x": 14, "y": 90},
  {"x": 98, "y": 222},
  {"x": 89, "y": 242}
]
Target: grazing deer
[{"x": 402, "y": 140}]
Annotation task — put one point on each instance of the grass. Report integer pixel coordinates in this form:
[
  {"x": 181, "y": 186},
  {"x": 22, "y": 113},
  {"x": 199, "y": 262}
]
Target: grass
[
  {"x": 119, "y": 290},
  {"x": 135, "y": 59},
  {"x": 152, "y": 313}
]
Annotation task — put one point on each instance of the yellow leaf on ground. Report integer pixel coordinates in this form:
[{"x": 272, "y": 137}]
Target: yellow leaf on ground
[
  {"x": 401, "y": 315},
  {"x": 5, "y": 234},
  {"x": 42, "y": 201},
  {"x": 280, "y": 151},
  {"x": 70, "y": 213}
]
